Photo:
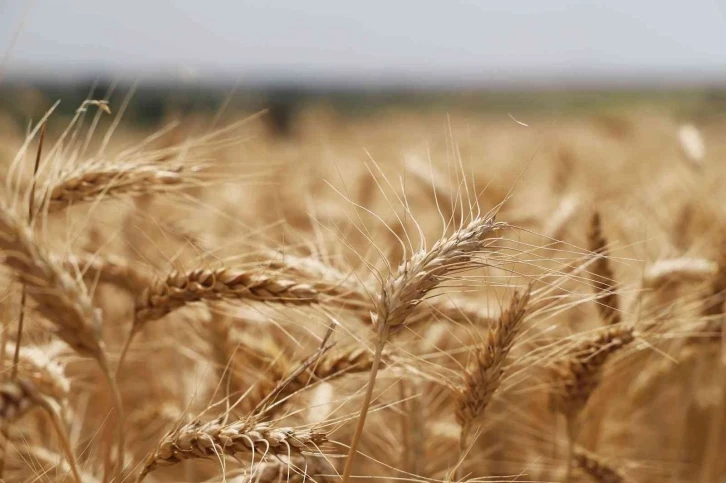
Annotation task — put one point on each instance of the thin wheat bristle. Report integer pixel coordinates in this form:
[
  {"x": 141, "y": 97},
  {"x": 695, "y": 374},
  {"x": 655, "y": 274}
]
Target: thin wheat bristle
[
  {"x": 603, "y": 277},
  {"x": 36, "y": 460},
  {"x": 110, "y": 269},
  {"x": 484, "y": 375},
  {"x": 212, "y": 439},
  {"x": 596, "y": 468},
  {"x": 100, "y": 181},
  {"x": 180, "y": 289},
  {"x": 578, "y": 374},
  {"x": 457, "y": 311},
  {"x": 285, "y": 378},
  {"x": 151, "y": 419},
  {"x": 341, "y": 290},
  {"x": 285, "y": 470},
  {"x": 331, "y": 364}
]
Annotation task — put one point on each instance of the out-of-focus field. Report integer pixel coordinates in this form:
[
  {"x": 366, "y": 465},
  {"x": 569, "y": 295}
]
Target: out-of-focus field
[{"x": 624, "y": 313}]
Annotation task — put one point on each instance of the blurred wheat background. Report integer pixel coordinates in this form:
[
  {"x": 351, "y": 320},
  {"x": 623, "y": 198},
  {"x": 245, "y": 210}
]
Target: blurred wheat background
[{"x": 271, "y": 282}]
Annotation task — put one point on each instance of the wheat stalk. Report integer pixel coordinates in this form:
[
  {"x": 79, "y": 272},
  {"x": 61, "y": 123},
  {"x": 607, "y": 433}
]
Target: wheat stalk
[
  {"x": 578, "y": 374},
  {"x": 416, "y": 277},
  {"x": 214, "y": 439},
  {"x": 603, "y": 277},
  {"x": 484, "y": 375},
  {"x": 182, "y": 288},
  {"x": 101, "y": 181},
  {"x": 403, "y": 291}
]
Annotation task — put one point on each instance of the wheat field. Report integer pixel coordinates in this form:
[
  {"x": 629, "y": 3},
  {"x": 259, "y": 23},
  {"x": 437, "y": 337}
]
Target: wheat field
[{"x": 408, "y": 296}]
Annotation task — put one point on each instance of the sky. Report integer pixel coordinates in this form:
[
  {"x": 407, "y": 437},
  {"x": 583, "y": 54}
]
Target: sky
[{"x": 368, "y": 42}]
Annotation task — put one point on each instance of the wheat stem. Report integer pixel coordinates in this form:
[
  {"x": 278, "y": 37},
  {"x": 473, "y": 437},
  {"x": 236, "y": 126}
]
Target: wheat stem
[
  {"x": 65, "y": 443},
  {"x": 381, "y": 338},
  {"x": 120, "y": 423},
  {"x": 571, "y": 435}
]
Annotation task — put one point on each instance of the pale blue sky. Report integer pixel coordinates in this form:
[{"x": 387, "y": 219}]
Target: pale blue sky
[{"x": 371, "y": 41}]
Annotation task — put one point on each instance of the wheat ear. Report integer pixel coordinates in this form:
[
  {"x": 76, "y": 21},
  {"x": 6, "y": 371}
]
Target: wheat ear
[
  {"x": 578, "y": 374},
  {"x": 484, "y": 375},
  {"x": 182, "y": 288},
  {"x": 405, "y": 290},
  {"x": 212, "y": 439},
  {"x": 60, "y": 298},
  {"x": 39, "y": 382},
  {"x": 102, "y": 181},
  {"x": 603, "y": 277}
]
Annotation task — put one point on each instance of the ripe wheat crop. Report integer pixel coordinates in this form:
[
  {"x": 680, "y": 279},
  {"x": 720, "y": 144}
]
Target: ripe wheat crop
[{"x": 382, "y": 298}]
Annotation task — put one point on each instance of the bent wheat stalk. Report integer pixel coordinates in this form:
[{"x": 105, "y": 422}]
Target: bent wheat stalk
[
  {"x": 405, "y": 290},
  {"x": 483, "y": 377}
]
